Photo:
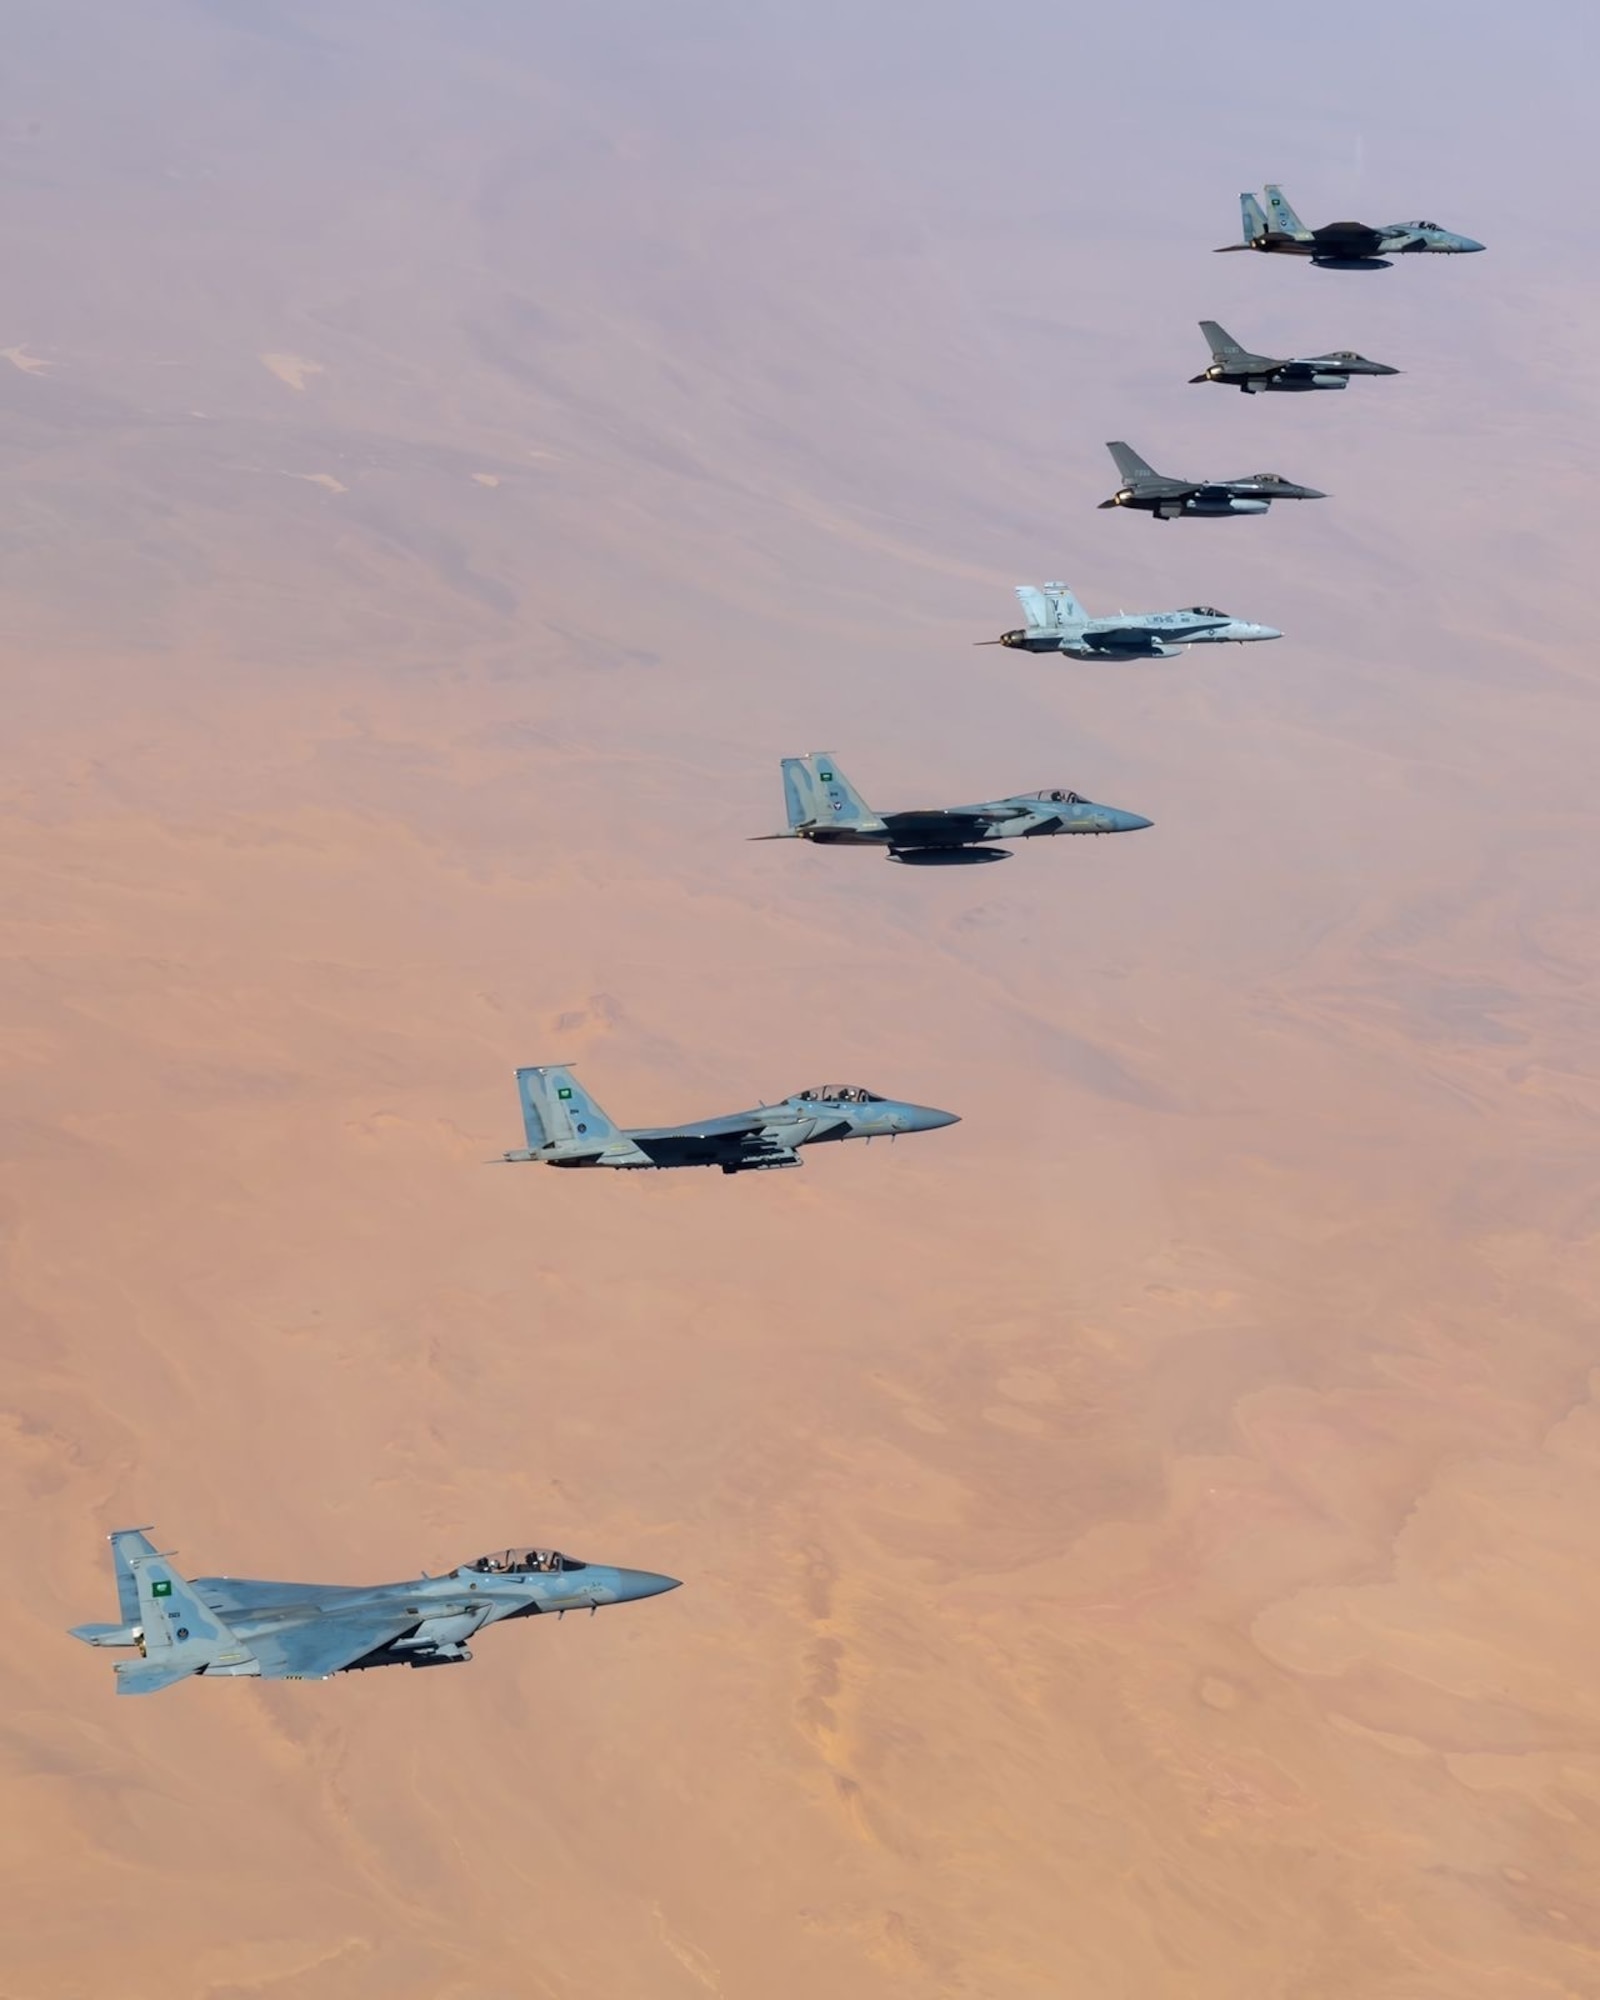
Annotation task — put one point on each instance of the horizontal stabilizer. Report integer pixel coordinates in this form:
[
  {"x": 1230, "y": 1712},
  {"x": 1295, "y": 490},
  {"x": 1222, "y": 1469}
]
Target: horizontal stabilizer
[{"x": 149, "y": 1676}]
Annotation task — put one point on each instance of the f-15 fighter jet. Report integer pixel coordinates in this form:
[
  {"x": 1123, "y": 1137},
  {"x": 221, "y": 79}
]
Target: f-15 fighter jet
[
  {"x": 826, "y": 808},
  {"x": 1240, "y": 369},
  {"x": 566, "y": 1128},
  {"x": 227, "y": 1626},
  {"x": 1340, "y": 246},
  {"x": 1058, "y": 623},
  {"x": 1152, "y": 492}
]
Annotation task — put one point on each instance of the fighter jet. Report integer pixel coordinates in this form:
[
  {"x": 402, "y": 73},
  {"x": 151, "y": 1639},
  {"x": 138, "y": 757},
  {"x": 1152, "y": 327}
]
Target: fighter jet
[
  {"x": 1238, "y": 368},
  {"x": 1058, "y": 623},
  {"x": 1340, "y": 246},
  {"x": 1165, "y": 499},
  {"x": 566, "y": 1128},
  {"x": 225, "y": 1625},
  {"x": 826, "y": 808}
]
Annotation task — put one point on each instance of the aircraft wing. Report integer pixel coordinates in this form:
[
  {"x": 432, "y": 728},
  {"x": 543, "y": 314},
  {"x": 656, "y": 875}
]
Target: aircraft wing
[
  {"x": 330, "y": 1640},
  {"x": 963, "y": 823},
  {"x": 741, "y": 1135},
  {"x": 1125, "y": 639}
]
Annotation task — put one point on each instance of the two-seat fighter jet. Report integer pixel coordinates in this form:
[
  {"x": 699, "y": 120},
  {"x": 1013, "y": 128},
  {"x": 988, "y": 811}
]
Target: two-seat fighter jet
[
  {"x": 566, "y": 1128},
  {"x": 1238, "y": 368},
  {"x": 1340, "y": 246},
  {"x": 1058, "y": 623},
  {"x": 1153, "y": 493},
  {"x": 228, "y": 1626},
  {"x": 824, "y": 807}
]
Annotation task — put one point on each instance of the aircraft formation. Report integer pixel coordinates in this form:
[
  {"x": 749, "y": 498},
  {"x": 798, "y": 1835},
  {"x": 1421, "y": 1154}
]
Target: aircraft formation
[{"x": 227, "y": 1627}]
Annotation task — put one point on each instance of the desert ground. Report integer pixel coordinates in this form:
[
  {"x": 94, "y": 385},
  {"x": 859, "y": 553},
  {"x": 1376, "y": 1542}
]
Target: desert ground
[{"x": 1140, "y": 1543}]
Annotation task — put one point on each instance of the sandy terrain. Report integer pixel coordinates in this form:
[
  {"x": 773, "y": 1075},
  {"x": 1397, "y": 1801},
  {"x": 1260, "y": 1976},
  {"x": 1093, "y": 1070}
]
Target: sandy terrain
[{"x": 1141, "y": 1543}]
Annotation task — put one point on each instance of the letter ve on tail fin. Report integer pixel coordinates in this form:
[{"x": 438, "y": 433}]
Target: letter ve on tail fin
[
  {"x": 1284, "y": 219},
  {"x": 557, "y": 1110},
  {"x": 1067, "y": 610},
  {"x": 1048, "y": 607}
]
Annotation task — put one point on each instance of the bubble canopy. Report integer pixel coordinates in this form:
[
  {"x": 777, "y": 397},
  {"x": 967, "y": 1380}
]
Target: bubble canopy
[
  {"x": 515, "y": 1562},
  {"x": 838, "y": 1093}
]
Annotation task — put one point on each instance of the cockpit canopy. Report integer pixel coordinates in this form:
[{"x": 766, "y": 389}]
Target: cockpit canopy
[
  {"x": 1056, "y": 797},
  {"x": 1205, "y": 611},
  {"x": 517, "y": 1562},
  {"x": 838, "y": 1093},
  {"x": 1434, "y": 226},
  {"x": 1268, "y": 479}
]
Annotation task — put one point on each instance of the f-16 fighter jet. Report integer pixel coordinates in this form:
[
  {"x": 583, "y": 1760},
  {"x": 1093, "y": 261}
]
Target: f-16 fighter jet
[
  {"x": 225, "y": 1625},
  {"x": 1058, "y": 623},
  {"x": 1151, "y": 492},
  {"x": 566, "y": 1128},
  {"x": 826, "y": 808},
  {"x": 1240, "y": 369},
  {"x": 1340, "y": 246}
]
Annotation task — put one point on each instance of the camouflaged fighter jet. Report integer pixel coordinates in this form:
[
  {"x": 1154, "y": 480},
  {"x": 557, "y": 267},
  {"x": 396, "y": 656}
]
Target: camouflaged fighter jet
[
  {"x": 1153, "y": 493},
  {"x": 1058, "y": 623},
  {"x": 824, "y": 807},
  {"x": 1340, "y": 246},
  {"x": 566, "y": 1128},
  {"x": 228, "y": 1626},
  {"x": 1238, "y": 368}
]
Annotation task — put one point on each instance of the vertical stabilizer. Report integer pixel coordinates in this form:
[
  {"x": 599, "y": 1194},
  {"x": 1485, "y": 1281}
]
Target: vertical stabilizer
[
  {"x": 557, "y": 1109},
  {"x": 1066, "y": 612},
  {"x": 1284, "y": 219},
  {"x": 831, "y": 799},
  {"x": 1222, "y": 343},
  {"x": 1252, "y": 220},
  {"x": 181, "y": 1634},
  {"x": 1128, "y": 462}
]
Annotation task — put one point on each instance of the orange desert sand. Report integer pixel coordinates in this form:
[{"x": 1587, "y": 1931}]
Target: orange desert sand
[{"x": 1139, "y": 1544}]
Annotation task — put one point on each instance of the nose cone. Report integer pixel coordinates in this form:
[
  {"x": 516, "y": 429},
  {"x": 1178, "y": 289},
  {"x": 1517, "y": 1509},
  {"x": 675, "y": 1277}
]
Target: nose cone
[
  {"x": 1259, "y": 632},
  {"x": 924, "y": 1118},
  {"x": 632, "y": 1584},
  {"x": 1466, "y": 244},
  {"x": 1126, "y": 822},
  {"x": 1309, "y": 493}
]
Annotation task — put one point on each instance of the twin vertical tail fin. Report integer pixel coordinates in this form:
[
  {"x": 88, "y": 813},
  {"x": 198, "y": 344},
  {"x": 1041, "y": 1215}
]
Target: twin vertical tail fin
[
  {"x": 1252, "y": 220},
  {"x": 1284, "y": 220},
  {"x": 1050, "y": 607},
  {"x": 177, "y": 1633},
  {"x": 816, "y": 794},
  {"x": 557, "y": 1110}
]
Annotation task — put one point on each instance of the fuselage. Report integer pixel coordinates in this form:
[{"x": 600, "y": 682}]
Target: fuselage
[{"x": 1359, "y": 246}]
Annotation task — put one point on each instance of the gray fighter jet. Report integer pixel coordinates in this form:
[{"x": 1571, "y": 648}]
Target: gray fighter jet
[
  {"x": 1340, "y": 246},
  {"x": 566, "y": 1128},
  {"x": 1058, "y": 623},
  {"x": 229, "y": 1626},
  {"x": 1151, "y": 492},
  {"x": 824, "y": 807},
  {"x": 1238, "y": 368}
]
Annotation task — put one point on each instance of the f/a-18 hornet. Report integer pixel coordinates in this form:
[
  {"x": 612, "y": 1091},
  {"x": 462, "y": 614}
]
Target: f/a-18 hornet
[
  {"x": 226, "y": 1625},
  {"x": 566, "y": 1128},
  {"x": 1238, "y": 368},
  {"x": 1340, "y": 246},
  {"x": 826, "y": 808},
  {"x": 1058, "y": 623},
  {"x": 1153, "y": 493}
]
